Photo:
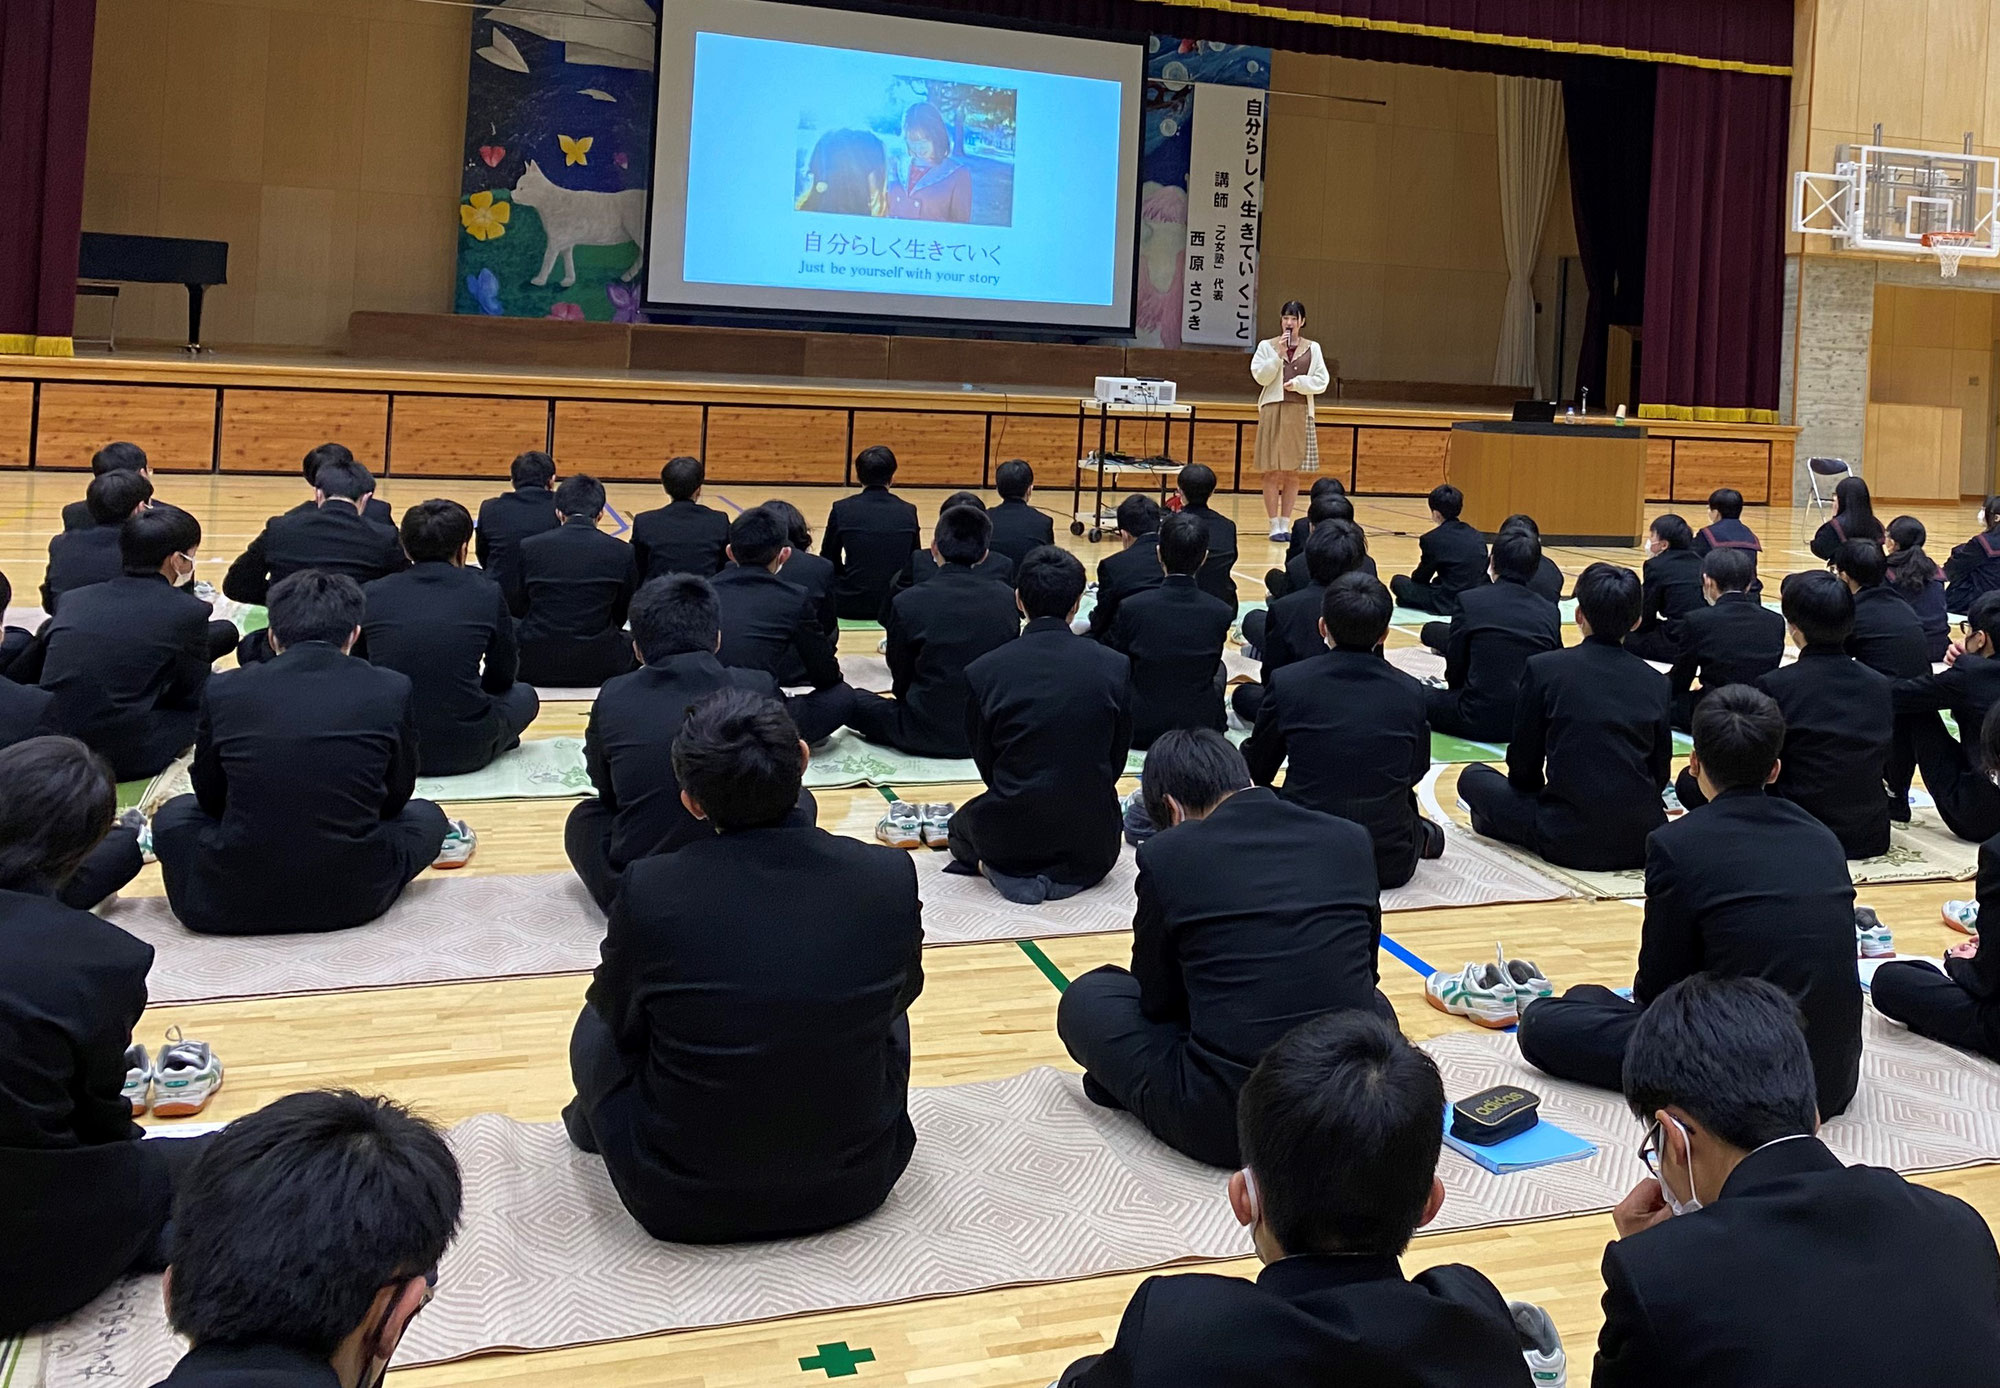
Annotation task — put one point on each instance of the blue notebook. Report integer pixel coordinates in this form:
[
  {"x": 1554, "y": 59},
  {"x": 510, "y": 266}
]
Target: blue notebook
[{"x": 1545, "y": 1144}]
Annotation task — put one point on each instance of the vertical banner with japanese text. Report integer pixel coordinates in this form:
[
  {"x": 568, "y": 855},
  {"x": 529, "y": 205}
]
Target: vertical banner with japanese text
[{"x": 1225, "y": 204}]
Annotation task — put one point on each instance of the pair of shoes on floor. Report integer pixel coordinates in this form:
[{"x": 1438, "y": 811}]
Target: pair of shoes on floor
[
  {"x": 909, "y": 825},
  {"x": 1541, "y": 1346},
  {"x": 1488, "y": 995},
  {"x": 1281, "y": 530},
  {"x": 1962, "y": 916},
  {"x": 459, "y": 844},
  {"x": 1872, "y": 939},
  {"x": 179, "y": 1085}
]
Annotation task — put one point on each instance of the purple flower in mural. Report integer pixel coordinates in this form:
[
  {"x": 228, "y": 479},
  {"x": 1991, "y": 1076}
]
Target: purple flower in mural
[
  {"x": 621, "y": 159},
  {"x": 485, "y": 290},
  {"x": 568, "y": 313},
  {"x": 624, "y": 303}
]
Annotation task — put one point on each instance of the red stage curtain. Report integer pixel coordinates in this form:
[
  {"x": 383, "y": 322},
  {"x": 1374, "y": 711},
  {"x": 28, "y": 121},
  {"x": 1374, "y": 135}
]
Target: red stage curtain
[
  {"x": 44, "y": 109},
  {"x": 1715, "y": 246}
]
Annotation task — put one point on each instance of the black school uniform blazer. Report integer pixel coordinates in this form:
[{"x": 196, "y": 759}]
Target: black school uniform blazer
[
  {"x": 121, "y": 654},
  {"x": 935, "y": 630},
  {"x": 1453, "y": 557},
  {"x": 449, "y": 631},
  {"x": 1174, "y": 636},
  {"x": 1839, "y": 723},
  {"x": 869, "y": 537},
  {"x": 770, "y": 625},
  {"x": 334, "y": 538},
  {"x": 1498, "y": 627},
  {"x": 1735, "y": 640},
  {"x": 1019, "y": 528},
  {"x": 1888, "y": 635},
  {"x": 1217, "y": 577},
  {"x": 79, "y": 558},
  {"x": 682, "y": 537},
  {"x": 577, "y": 584},
  {"x": 1132, "y": 570},
  {"x": 505, "y": 521}
]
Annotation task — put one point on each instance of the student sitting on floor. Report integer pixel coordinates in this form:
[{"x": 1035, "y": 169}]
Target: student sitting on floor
[
  {"x": 1961, "y": 1005},
  {"x": 306, "y": 1240},
  {"x": 1135, "y": 568},
  {"x": 576, "y": 584},
  {"x": 87, "y": 1199},
  {"x": 1254, "y": 915},
  {"x": 1051, "y": 723},
  {"x": 448, "y": 629},
  {"x": 1853, "y": 518},
  {"x": 1295, "y": 543},
  {"x": 1548, "y": 579},
  {"x": 376, "y": 508},
  {"x": 1887, "y": 635},
  {"x": 1350, "y": 730},
  {"x": 684, "y": 536},
  {"x": 1748, "y": 885},
  {"x": 812, "y": 574},
  {"x": 1591, "y": 745},
  {"x": 1196, "y": 485},
  {"x": 1670, "y": 587},
  {"x": 301, "y": 818},
  {"x": 1017, "y": 526},
  {"x": 769, "y": 625},
  {"x": 1498, "y": 628},
  {"x": 113, "y": 457},
  {"x": 1742, "y": 1296},
  {"x": 14, "y": 641},
  {"x": 935, "y": 630},
  {"x": 1325, "y": 507},
  {"x": 1726, "y": 530},
  {"x": 1915, "y": 579},
  {"x": 1973, "y": 568},
  {"x": 923, "y": 565},
  {"x": 508, "y": 519},
  {"x": 1174, "y": 636},
  {"x": 744, "y": 1070},
  {"x": 869, "y": 536},
  {"x": 1733, "y": 640},
  {"x": 79, "y": 558},
  {"x": 1454, "y": 558},
  {"x": 24, "y": 715},
  {"x": 1839, "y": 722},
  {"x": 26, "y": 710},
  {"x": 127, "y": 660},
  {"x": 1340, "y": 1141},
  {"x": 1954, "y": 768},
  {"x": 1289, "y": 629}
]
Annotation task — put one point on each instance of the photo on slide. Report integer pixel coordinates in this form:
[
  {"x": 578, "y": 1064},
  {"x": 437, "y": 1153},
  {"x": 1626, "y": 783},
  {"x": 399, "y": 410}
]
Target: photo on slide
[{"x": 916, "y": 149}]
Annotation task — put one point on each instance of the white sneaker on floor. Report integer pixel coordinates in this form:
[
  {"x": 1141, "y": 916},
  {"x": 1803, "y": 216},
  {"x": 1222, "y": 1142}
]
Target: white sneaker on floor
[
  {"x": 1541, "y": 1346},
  {"x": 138, "y": 1079},
  {"x": 934, "y": 824},
  {"x": 186, "y": 1078},
  {"x": 1872, "y": 939},
  {"x": 1962, "y": 916},
  {"x": 1522, "y": 975},
  {"x": 1480, "y": 993},
  {"x": 1280, "y": 532},
  {"x": 459, "y": 843},
  {"x": 901, "y": 825}
]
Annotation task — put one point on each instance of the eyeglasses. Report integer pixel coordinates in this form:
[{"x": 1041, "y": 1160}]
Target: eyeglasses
[{"x": 1649, "y": 1149}]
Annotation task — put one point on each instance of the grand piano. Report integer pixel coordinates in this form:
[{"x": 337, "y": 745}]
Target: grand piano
[{"x": 103, "y": 256}]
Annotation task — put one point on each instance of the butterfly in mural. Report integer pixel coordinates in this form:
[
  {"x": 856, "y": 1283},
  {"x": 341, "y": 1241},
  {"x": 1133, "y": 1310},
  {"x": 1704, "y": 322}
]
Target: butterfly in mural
[
  {"x": 576, "y": 151},
  {"x": 485, "y": 290},
  {"x": 624, "y": 303},
  {"x": 566, "y": 312}
]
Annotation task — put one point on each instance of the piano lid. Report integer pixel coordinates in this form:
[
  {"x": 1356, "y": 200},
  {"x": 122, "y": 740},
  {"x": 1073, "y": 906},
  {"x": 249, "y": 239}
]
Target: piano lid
[{"x": 152, "y": 259}]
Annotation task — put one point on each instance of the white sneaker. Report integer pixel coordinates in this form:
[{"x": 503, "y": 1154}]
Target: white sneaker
[
  {"x": 1281, "y": 531},
  {"x": 138, "y": 1079},
  {"x": 1480, "y": 993},
  {"x": 1872, "y": 939},
  {"x": 1541, "y": 1346},
  {"x": 1522, "y": 975},
  {"x": 901, "y": 825},
  {"x": 934, "y": 824},
  {"x": 187, "y": 1078},
  {"x": 459, "y": 843},
  {"x": 1962, "y": 916}
]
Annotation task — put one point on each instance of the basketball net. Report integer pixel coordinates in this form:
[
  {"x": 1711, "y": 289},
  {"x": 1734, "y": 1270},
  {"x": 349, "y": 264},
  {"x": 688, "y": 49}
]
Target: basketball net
[{"x": 1949, "y": 247}]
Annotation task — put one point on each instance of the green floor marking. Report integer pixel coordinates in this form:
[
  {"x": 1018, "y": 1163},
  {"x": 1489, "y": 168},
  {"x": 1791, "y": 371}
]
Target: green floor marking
[
  {"x": 1045, "y": 964},
  {"x": 887, "y": 794},
  {"x": 837, "y": 1360}
]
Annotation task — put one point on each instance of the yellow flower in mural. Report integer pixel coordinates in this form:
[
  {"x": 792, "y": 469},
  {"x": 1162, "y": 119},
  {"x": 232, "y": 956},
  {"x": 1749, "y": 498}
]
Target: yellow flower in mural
[
  {"x": 576, "y": 151},
  {"x": 484, "y": 218}
]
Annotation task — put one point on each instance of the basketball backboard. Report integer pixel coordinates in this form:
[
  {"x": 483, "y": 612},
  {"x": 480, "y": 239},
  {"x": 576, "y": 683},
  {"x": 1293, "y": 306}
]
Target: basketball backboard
[{"x": 1887, "y": 200}]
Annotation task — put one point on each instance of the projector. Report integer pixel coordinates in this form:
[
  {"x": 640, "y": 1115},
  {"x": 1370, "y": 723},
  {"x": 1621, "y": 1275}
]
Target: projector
[{"x": 1134, "y": 390}]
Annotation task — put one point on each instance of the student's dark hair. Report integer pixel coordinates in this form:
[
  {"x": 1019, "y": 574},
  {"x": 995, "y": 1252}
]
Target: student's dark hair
[
  {"x": 314, "y": 606},
  {"x": 972, "y": 499},
  {"x": 1341, "y": 1124},
  {"x": 321, "y": 456},
  {"x": 1727, "y": 1051},
  {"x": 963, "y": 534},
  {"x": 6, "y": 593},
  {"x": 1726, "y": 502},
  {"x": 1330, "y": 506},
  {"x": 1447, "y": 501},
  {"x": 146, "y": 538},
  {"x": 1738, "y": 731},
  {"x": 112, "y": 496},
  {"x": 682, "y": 477},
  {"x": 1517, "y": 555},
  {"x": 1197, "y": 483},
  {"x": 580, "y": 494},
  {"x": 434, "y": 531},
  {"x": 1984, "y": 616},
  {"x": 1862, "y": 561},
  {"x": 1818, "y": 604},
  {"x": 1521, "y": 520},
  {"x": 118, "y": 457},
  {"x": 1732, "y": 569},
  {"x": 797, "y": 533},
  {"x": 674, "y": 615},
  {"x": 296, "y": 1215},
  {"x": 1197, "y": 767},
  {"x": 1911, "y": 570},
  {"x": 532, "y": 469},
  {"x": 1049, "y": 582},
  {"x": 1012, "y": 479},
  {"x": 1356, "y": 610},
  {"x": 1989, "y": 512},
  {"x": 1855, "y": 511},
  {"x": 1608, "y": 596},
  {"x": 875, "y": 467},
  {"x": 348, "y": 480},
  {"x": 57, "y": 800},
  {"x": 1292, "y": 306},
  {"x": 1908, "y": 532},
  {"x": 738, "y": 756},
  {"x": 1183, "y": 542},
  {"x": 756, "y": 536},
  {"x": 1334, "y": 547},
  {"x": 1138, "y": 515},
  {"x": 1324, "y": 486},
  {"x": 1989, "y": 740},
  {"x": 1673, "y": 531}
]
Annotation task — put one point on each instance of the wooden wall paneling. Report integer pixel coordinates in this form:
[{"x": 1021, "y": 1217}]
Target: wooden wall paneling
[
  {"x": 1660, "y": 469},
  {"x": 625, "y": 439},
  {"x": 1047, "y": 443},
  {"x": 1142, "y": 438},
  {"x": 1782, "y": 451},
  {"x": 934, "y": 448},
  {"x": 1405, "y": 461},
  {"x": 174, "y": 424},
  {"x": 1247, "y": 477},
  {"x": 1336, "y": 453},
  {"x": 273, "y": 430},
  {"x": 17, "y": 422},
  {"x": 1702, "y": 465},
  {"x": 761, "y": 443},
  {"x": 1215, "y": 445},
  {"x": 491, "y": 341},
  {"x": 463, "y": 435}
]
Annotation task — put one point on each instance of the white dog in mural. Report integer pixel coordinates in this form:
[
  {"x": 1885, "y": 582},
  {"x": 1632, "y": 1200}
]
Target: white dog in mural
[{"x": 572, "y": 218}]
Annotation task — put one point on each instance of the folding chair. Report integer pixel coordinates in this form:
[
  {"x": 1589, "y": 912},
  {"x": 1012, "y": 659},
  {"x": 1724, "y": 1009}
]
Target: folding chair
[{"x": 1832, "y": 469}]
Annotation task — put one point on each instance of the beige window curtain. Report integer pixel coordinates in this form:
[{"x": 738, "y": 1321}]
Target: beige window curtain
[{"x": 1531, "y": 142}]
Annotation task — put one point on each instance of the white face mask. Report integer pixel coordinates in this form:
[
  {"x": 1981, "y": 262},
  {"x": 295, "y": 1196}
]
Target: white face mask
[
  {"x": 186, "y": 579},
  {"x": 1693, "y": 1202}
]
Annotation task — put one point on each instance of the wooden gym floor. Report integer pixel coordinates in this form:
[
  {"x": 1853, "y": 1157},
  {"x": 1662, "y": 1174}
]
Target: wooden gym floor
[{"x": 988, "y": 1011}]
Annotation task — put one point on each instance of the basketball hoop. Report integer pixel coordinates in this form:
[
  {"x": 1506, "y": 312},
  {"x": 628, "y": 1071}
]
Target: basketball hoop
[{"x": 1949, "y": 247}]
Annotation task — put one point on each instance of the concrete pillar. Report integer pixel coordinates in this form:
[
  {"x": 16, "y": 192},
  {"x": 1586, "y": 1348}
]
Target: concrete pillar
[{"x": 1828, "y": 394}]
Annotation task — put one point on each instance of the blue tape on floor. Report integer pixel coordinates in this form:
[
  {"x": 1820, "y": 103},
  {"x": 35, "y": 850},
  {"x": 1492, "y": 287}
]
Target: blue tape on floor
[
  {"x": 622, "y": 524},
  {"x": 1408, "y": 958}
]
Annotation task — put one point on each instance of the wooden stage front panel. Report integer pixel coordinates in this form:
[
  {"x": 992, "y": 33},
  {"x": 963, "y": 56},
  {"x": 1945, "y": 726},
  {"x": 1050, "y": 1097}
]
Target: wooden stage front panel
[{"x": 409, "y": 421}]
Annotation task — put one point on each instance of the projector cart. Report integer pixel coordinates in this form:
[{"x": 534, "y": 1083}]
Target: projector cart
[{"x": 1097, "y": 520}]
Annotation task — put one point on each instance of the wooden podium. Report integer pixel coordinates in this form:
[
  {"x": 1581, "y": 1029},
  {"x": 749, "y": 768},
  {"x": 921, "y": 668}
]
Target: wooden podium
[{"x": 1585, "y": 484}]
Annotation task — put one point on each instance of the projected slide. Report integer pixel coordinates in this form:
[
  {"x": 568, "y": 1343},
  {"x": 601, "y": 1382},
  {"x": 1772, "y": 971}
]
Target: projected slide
[{"x": 896, "y": 179}]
